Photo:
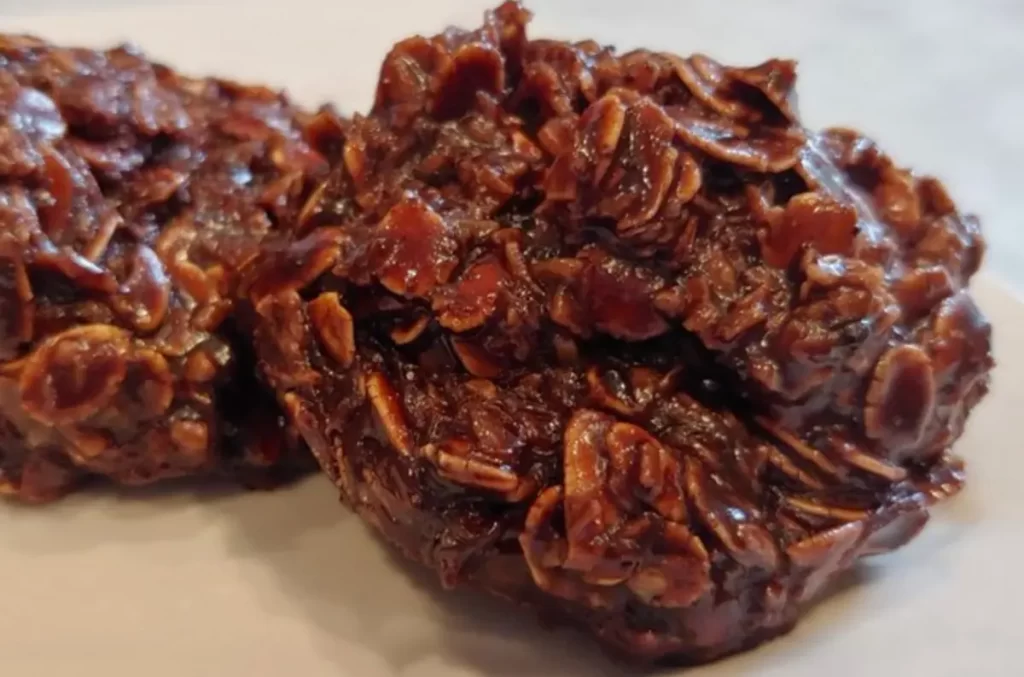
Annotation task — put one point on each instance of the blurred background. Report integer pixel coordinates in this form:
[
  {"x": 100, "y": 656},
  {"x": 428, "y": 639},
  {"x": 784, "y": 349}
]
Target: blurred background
[{"x": 939, "y": 83}]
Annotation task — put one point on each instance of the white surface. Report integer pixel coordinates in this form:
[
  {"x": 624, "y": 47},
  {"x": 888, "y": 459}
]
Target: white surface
[
  {"x": 199, "y": 584},
  {"x": 192, "y": 584}
]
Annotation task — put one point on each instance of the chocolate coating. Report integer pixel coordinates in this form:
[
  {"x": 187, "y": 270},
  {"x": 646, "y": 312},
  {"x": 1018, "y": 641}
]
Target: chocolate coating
[
  {"x": 130, "y": 198},
  {"x": 615, "y": 336}
]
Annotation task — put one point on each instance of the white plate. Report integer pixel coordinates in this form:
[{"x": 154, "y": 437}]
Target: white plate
[{"x": 186, "y": 582}]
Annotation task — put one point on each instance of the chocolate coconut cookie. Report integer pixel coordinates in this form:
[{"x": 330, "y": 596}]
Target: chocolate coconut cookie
[
  {"x": 617, "y": 337},
  {"x": 130, "y": 197}
]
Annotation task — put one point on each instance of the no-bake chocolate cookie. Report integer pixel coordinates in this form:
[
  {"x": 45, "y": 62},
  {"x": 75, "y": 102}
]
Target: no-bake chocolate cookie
[
  {"x": 617, "y": 337},
  {"x": 130, "y": 197}
]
